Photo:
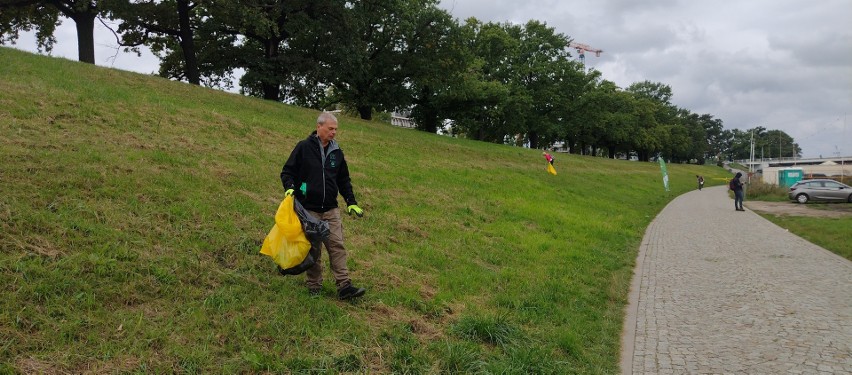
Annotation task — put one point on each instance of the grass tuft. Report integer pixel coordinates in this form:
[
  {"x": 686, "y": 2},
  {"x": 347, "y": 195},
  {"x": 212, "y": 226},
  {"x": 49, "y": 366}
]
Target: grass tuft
[
  {"x": 495, "y": 330},
  {"x": 460, "y": 358}
]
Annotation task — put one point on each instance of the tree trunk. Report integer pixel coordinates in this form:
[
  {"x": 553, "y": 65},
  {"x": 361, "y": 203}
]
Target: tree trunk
[
  {"x": 365, "y": 111},
  {"x": 271, "y": 90},
  {"x": 430, "y": 123},
  {"x": 187, "y": 44},
  {"x": 428, "y": 112},
  {"x": 85, "y": 22},
  {"x": 533, "y": 138}
]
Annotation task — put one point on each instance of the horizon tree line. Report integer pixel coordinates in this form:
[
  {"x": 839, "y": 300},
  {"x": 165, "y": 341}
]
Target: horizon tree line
[{"x": 495, "y": 82}]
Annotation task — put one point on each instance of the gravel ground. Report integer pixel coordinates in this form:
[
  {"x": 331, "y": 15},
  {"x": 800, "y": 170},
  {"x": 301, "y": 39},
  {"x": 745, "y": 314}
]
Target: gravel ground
[{"x": 795, "y": 209}]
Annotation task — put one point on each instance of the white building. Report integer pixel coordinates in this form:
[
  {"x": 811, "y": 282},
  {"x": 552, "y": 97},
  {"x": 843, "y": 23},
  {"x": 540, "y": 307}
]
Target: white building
[{"x": 836, "y": 169}]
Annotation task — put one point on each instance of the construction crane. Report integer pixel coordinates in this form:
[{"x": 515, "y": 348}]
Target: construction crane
[{"x": 582, "y": 49}]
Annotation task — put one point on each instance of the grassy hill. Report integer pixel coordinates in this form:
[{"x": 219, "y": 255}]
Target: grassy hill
[{"x": 132, "y": 210}]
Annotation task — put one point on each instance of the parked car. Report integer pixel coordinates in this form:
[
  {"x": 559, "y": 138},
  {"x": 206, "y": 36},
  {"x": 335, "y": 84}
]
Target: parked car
[{"x": 820, "y": 190}]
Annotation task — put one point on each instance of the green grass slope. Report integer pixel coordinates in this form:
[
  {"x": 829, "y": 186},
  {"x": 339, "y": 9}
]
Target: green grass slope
[{"x": 133, "y": 209}]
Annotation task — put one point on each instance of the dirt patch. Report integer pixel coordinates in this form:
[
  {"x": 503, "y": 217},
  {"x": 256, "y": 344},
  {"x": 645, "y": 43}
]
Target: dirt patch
[{"x": 831, "y": 210}]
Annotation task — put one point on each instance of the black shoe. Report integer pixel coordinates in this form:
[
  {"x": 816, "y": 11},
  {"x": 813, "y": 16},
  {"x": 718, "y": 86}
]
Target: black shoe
[
  {"x": 350, "y": 292},
  {"x": 314, "y": 292}
]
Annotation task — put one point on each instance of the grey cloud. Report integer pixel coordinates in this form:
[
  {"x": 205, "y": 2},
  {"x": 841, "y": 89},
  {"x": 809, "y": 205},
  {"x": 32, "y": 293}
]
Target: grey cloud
[{"x": 834, "y": 49}]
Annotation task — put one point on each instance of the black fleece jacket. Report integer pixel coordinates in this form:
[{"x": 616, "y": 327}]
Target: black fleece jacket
[{"x": 324, "y": 173}]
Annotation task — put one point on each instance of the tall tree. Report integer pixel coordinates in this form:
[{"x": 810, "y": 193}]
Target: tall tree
[
  {"x": 677, "y": 143},
  {"x": 715, "y": 135},
  {"x": 698, "y": 139},
  {"x": 578, "y": 108},
  {"x": 39, "y": 17},
  {"x": 620, "y": 122},
  {"x": 588, "y": 117},
  {"x": 726, "y": 143},
  {"x": 663, "y": 128},
  {"x": 484, "y": 93},
  {"x": 375, "y": 54},
  {"x": 275, "y": 39},
  {"x": 438, "y": 63},
  {"x": 777, "y": 143},
  {"x": 740, "y": 144},
  {"x": 167, "y": 27},
  {"x": 530, "y": 63},
  {"x": 651, "y": 135},
  {"x": 691, "y": 141},
  {"x": 25, "y": 15},
  {"x": 655, "y": 91},
  {"x": 538, "y": 74}
]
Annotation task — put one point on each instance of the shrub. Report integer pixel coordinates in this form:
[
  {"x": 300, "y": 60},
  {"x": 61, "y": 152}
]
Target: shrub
[{"x": 761, "y": 191}]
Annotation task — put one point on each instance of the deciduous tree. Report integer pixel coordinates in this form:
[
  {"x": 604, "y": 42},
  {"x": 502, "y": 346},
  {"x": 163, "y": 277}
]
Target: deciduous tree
[
  {"x": 43, "y": 16},
  {"x": 280, "y": 42},
  {"x": 170, "y": 29}
]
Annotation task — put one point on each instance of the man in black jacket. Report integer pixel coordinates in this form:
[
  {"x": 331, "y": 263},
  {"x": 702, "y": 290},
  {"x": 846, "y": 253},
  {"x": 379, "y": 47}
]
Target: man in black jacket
[
  {"x": 737, "y": 187},
  {"x": 315, "y": 173}
]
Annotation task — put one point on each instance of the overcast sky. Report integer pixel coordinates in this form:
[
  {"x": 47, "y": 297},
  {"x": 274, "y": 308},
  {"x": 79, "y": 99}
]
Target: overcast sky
[{"x": 780, "y": 64}]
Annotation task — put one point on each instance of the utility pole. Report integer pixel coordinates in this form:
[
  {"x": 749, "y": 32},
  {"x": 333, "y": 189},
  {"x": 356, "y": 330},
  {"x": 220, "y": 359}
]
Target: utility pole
[
  {"x": 842, "y": 159},
  {"x": 751, "y": 162},
  {"x": 793, "y": 151}
]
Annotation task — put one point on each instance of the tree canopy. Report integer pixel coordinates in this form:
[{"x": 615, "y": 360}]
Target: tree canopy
[
  {"x": 497, "y": 82},
  {"x": 43, "y": 16}
]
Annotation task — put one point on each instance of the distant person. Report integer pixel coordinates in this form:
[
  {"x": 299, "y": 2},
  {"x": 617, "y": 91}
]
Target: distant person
[
  {"x": 315, "y": 173},
  {"x": 700, "y": 182},
  {"x": 737, "y": 186},
  {"x": 548, "y": 157}
]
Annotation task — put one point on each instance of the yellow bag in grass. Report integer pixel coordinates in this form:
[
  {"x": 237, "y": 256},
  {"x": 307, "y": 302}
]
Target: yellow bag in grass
[
  {"x": 550, "y": 169},
  {"x": 286, "y": 242}
]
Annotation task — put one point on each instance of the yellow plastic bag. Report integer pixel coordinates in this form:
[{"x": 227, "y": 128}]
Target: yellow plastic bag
[
  {"x": 550, "y": 169},
  {"x": 286, "y": 242}
]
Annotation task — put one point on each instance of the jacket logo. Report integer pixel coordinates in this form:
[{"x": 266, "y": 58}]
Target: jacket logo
[{"x": 332, "y": 160}]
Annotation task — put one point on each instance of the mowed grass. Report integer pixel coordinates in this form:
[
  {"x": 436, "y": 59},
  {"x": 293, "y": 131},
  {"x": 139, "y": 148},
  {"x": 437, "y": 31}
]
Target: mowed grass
[
  {"x": 830, "y": 233},
  {"x": 133, "y": 209}
]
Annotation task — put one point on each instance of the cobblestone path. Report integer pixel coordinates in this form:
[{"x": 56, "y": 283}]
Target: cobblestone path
[{"x": 718, "y": 291}]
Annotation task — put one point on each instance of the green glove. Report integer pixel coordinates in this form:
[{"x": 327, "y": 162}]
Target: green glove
[
  {"x": 355, "y": 209},
  {"x": 288, "y": 193}
]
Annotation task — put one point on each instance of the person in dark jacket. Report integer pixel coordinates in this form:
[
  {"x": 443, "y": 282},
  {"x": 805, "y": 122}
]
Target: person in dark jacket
[
  {"x": 737, "y": 186},
  {"x": 315, "y": 173}
]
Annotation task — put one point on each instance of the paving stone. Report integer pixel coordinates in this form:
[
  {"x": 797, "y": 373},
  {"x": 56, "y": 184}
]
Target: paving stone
[{"x": 719, "y": 291}]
